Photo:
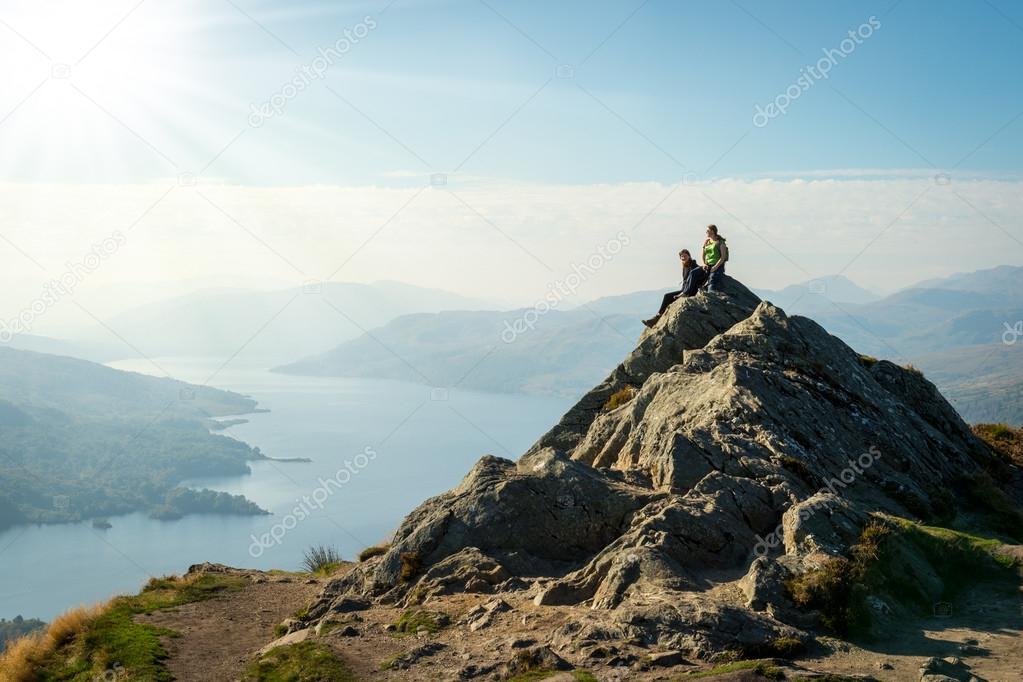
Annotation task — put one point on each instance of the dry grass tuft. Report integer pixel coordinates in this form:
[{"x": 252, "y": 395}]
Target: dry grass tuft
[
  {"x": 21, "y": 660},
  {"x": 620, "y": 397}
]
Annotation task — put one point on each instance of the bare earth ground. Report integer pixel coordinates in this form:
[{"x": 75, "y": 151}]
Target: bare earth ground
[{"x": 221, "y": 636}]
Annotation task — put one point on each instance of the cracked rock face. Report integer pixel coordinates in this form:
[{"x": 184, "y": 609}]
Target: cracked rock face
[{"x": 752, "y": 441}]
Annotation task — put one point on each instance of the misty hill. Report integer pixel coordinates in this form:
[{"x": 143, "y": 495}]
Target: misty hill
[
  {"x": 954, "y": 325},
  {"x": 483, "y": 350},
  {"x": 818, "y": 294},
  {"x": 82, "y": 440},
  {"x": 963, "y": 309},
  {"x": 52, "y": 346},
  {"x": 89, "y": 389},
  {"x": 272, "y": 325}
]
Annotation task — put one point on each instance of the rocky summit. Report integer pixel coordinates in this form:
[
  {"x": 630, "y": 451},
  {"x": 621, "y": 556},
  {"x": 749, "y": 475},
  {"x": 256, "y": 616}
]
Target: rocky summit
[{"x": 696, "y": 499}]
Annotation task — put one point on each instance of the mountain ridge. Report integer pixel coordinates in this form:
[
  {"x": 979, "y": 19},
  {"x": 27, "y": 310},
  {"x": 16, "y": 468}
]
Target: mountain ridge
[{"x": 667, "y": 481}]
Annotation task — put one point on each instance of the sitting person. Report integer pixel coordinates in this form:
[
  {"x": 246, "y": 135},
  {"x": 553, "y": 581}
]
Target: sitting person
[
  {"x": 715, "y": 255},
  {"x": 693, "y": 277}
]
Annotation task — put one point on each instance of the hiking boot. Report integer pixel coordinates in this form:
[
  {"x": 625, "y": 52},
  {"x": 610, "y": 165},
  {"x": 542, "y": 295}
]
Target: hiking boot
[{"x": 652, "y": 321}]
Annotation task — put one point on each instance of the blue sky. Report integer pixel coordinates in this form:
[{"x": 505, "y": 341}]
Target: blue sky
[
  {"x": 658, "y": 90},
  {"x": 557, "y": 126}
]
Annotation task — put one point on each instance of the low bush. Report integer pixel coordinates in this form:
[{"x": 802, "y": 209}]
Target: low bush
[
  {"x": 619, "y": 398},
  {"x": 370, "y": 552},
  {"x": 411, "y": 565},
  {"x": 321, "y": 559}
]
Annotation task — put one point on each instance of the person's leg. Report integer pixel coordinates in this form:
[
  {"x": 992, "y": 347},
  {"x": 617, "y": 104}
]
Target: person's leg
[
  {"x": 714, "y": 280},
  {"x": 668, "y": 299},
  {"x": 697, "y": 276}
]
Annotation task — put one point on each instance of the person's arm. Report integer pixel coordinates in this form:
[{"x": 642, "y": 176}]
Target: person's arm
[{"x": 723, "y": 253}]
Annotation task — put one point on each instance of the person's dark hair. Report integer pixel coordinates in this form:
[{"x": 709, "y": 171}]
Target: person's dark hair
[
  {"x": 714, "y": 229},
  {"x": 686, "y": 252}
]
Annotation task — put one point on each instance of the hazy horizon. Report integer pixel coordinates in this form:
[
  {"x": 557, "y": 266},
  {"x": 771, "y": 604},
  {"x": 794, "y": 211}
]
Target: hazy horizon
[{"x": 492, "y": 150}]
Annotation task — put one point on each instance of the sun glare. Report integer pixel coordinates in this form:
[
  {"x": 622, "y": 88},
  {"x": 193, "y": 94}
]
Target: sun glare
[{"x": 95, "y": 84}]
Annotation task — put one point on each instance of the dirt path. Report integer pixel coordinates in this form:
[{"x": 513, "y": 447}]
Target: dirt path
[{"x": 220, "y": 636}]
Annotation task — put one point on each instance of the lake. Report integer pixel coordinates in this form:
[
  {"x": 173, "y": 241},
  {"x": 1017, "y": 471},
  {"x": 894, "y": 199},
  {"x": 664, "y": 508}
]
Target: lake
[{"x": 402, "y": 443}]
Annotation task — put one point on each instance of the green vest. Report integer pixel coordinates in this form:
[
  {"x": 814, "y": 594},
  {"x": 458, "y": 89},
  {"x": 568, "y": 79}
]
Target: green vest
[{"x": 712, "y": 252}]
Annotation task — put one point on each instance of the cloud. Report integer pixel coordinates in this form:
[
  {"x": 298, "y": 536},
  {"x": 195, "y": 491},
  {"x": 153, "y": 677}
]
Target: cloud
[{"x": 499, "y": 240}]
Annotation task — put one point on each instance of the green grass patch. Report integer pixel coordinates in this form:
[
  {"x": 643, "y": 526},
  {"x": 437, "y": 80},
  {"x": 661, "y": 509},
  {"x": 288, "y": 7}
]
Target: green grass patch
[
  {"x": 762, "y": 668},
  {"x": 534, "y": 675},
  {"x": 412, "y": 621},
  {"x": 782, "y": 647},
  {"x": 113, "y": 637},
  {"x": 302, "y": 662},
  {"x": 891, "y": 553}
]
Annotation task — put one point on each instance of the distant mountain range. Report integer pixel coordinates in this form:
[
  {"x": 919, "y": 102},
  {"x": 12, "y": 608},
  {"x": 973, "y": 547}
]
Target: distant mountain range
[
  {"x": 950, "y": 328},
  {"x": 266, "y": 326},
  {"x": 553, "y": 353}
]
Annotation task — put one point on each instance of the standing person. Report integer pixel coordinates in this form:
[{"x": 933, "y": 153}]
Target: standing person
[
  {"x": 693, "y": 276},
  {"x": 715, "y": 254}
]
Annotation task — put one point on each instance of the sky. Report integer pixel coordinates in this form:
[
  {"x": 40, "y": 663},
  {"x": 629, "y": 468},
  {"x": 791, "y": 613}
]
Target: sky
[{"x": 488, "y": 147}]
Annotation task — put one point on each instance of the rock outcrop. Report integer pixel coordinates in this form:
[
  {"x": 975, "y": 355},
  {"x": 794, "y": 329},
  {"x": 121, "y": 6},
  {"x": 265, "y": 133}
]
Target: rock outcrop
[{"x": 747, "y": 443}]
